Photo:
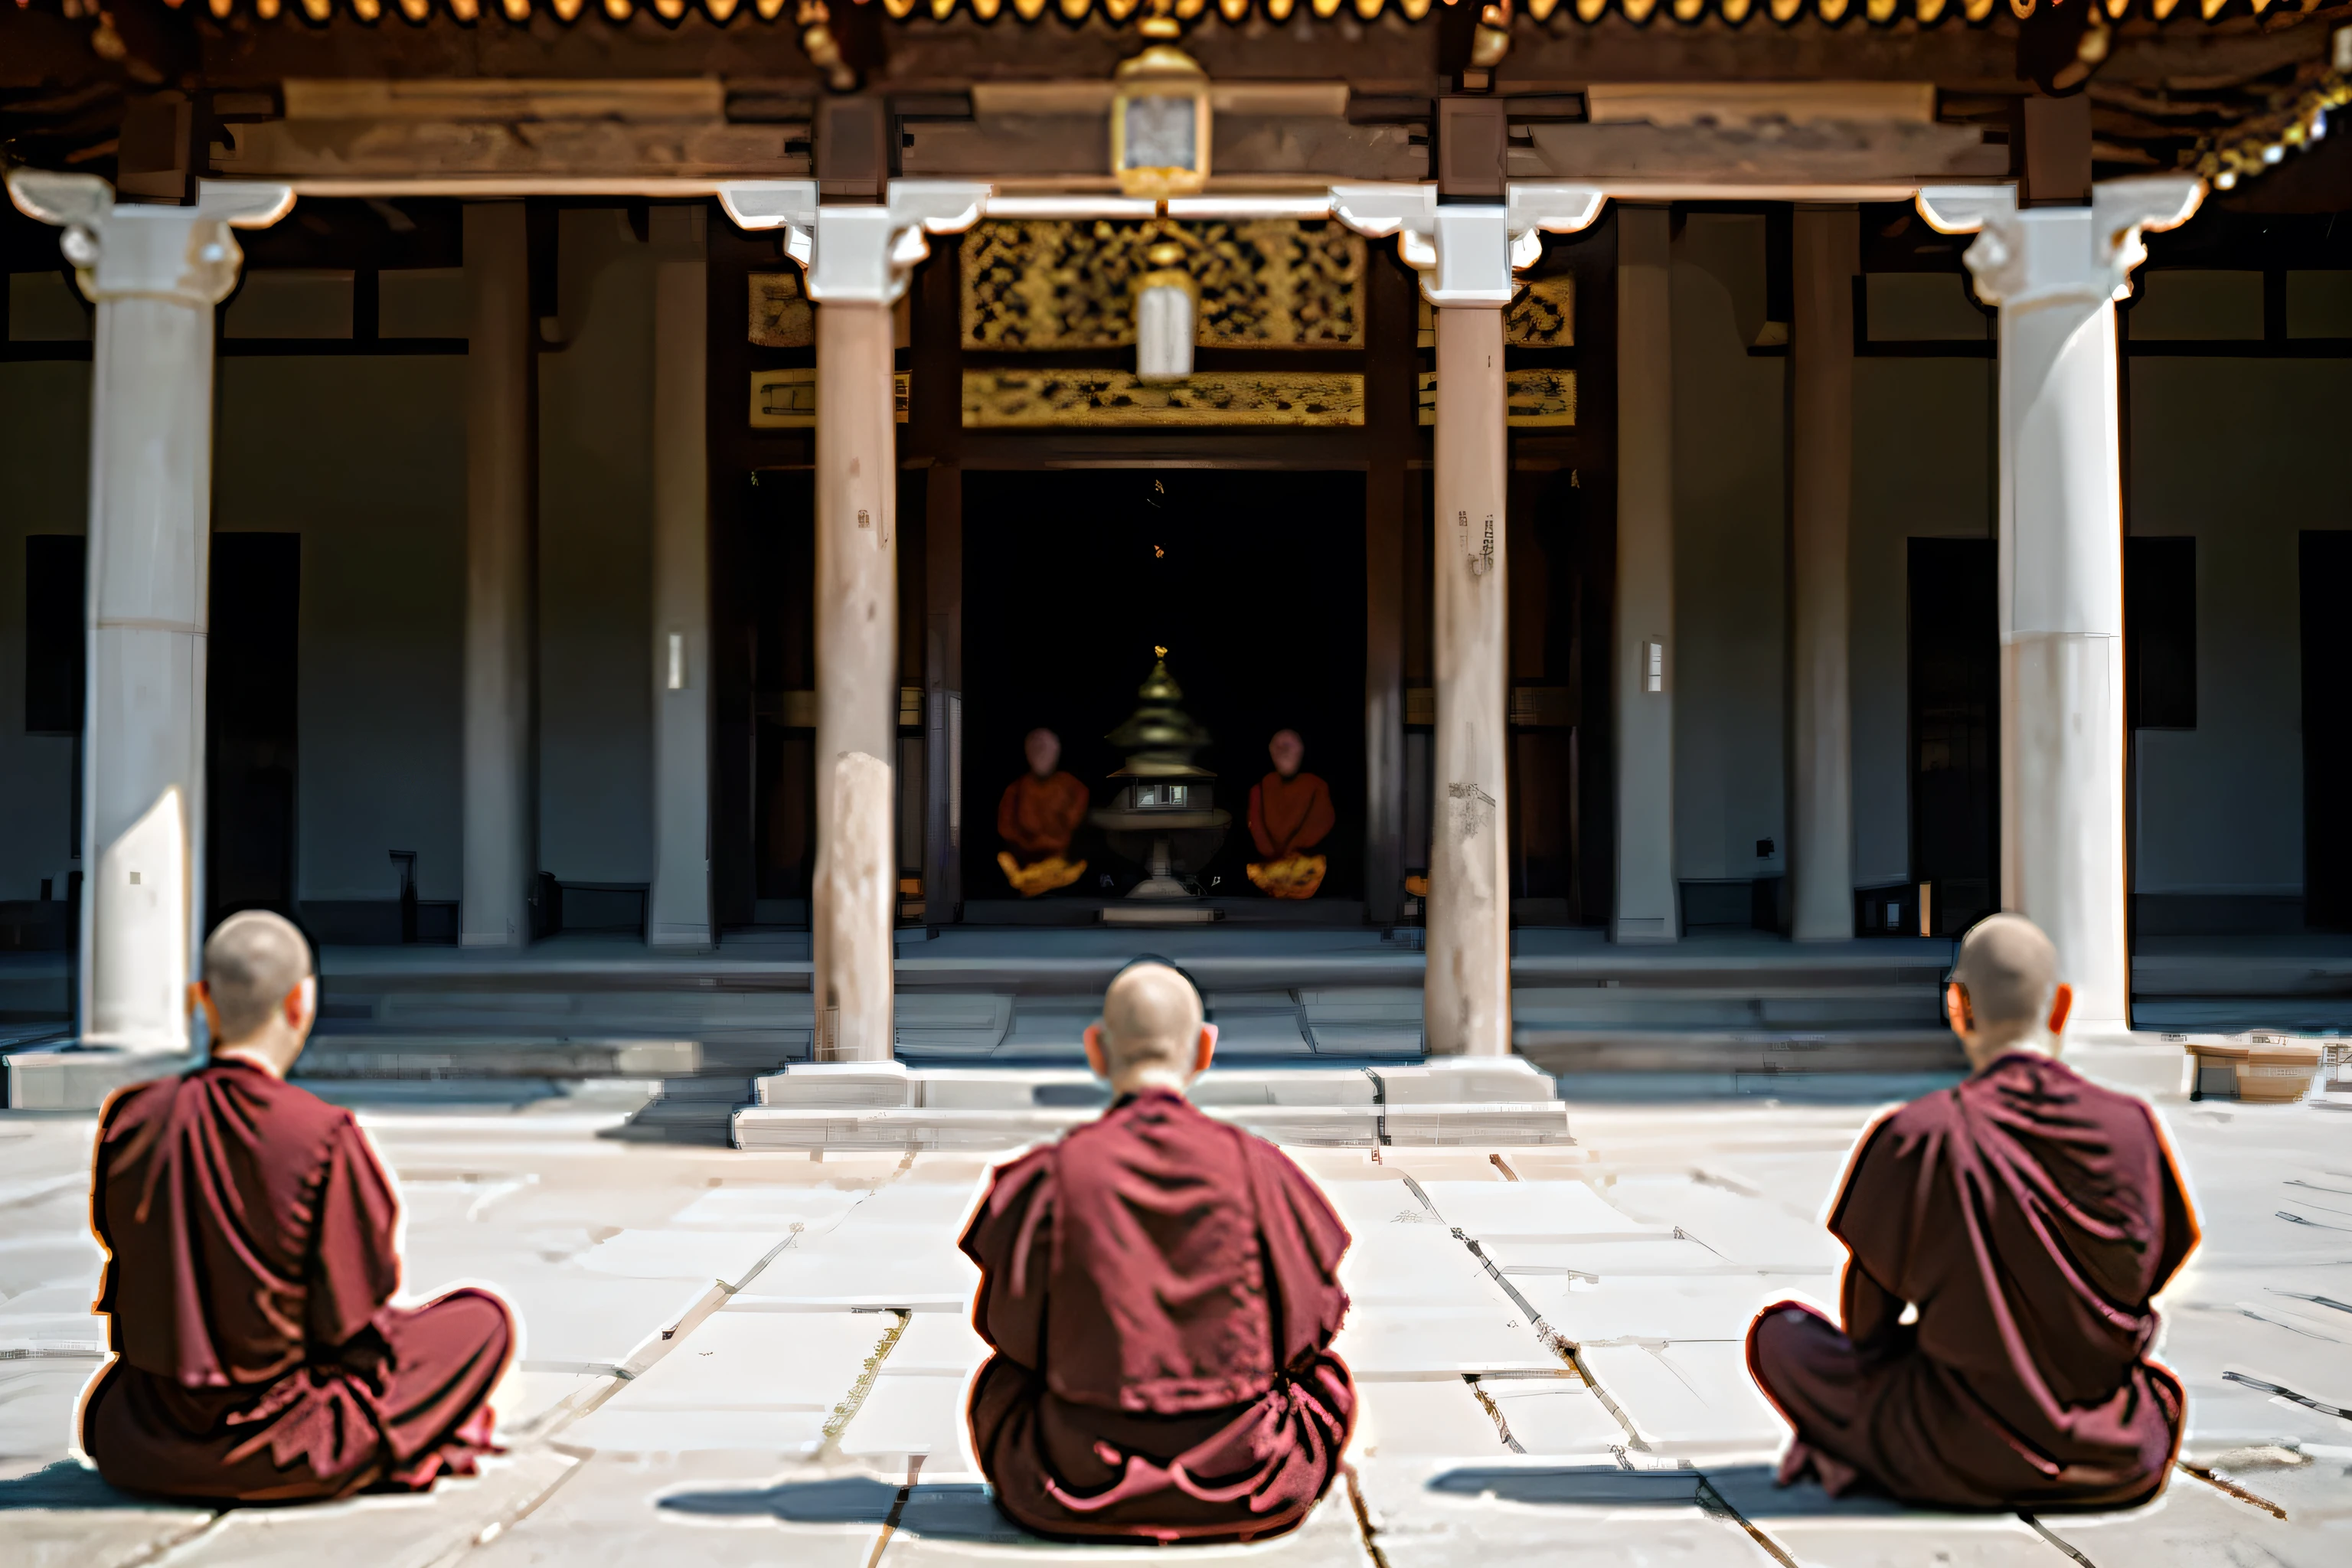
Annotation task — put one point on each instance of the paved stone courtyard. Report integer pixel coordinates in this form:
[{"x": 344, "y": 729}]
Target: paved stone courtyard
[{"x": 736, "y": 1358}]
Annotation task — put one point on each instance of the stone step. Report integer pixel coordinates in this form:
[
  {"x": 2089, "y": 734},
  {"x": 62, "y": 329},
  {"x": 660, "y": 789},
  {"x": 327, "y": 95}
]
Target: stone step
[
  {"x": 1569, "y": 1051},
  {"x": 890, "y": 1105},
  {"x": 888, "y": 1127}
]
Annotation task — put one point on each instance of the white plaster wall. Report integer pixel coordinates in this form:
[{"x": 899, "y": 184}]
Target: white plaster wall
[
  {"x": 596, "y": 559},
  {"x": 2222, "y": 450},
  {"x": 1731, "y": 559},
  {"x": 1923, "y": 467},
  {"x": 44, "y": 489},
  {"x": 365, "y": 458}
]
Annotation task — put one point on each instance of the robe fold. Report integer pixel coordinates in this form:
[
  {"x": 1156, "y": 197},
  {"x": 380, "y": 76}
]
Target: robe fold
[
  {"x": 2029, "y": 1216},
  {"x": 249, "y": 1235},
  {"x": 1289, "y": 815},
  {"x": 1160, "y": 1290},
  {"x": 1039, "y": 818}
]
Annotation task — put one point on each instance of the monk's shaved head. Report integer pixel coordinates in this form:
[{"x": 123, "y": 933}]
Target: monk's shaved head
[
  {"x": 1151, "y": 1018},
  {"x": 2009, "y": 968},
  {"x": 251, "y": 961}
]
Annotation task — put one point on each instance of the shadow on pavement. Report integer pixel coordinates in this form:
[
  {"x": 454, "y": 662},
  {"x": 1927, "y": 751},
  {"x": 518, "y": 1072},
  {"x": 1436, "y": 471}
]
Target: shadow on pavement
[
  {"x": 941, "y": 1511},
  {"x": 1749, "y": 1490},
  {"x": 68, "y": 1485}
]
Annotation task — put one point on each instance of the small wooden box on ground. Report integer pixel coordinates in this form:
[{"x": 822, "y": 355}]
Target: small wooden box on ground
[{"x": 2259, "y": 1067}]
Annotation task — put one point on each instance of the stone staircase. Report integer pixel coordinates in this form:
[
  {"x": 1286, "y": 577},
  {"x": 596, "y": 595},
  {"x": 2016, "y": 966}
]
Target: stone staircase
[{"x": 890, "y": 1106}]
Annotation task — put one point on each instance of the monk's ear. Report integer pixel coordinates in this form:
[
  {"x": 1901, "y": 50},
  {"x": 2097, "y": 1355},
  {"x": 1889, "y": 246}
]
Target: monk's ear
[
  {"x": 1957, "y": 1008},
  {"x": 2062, "y": 1002},
  {"x": 1208, "y": 1049},
  {"x": 1094, "y": 1059}
]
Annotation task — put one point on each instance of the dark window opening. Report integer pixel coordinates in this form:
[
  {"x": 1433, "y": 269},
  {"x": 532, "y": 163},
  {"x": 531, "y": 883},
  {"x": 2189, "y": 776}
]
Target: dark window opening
[
  {"x": 2160, "y": 633},
  {"x": 53, "y": 634}
]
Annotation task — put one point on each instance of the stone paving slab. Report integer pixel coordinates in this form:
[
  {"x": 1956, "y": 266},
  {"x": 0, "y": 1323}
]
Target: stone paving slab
[
  {"x": 1738, "y": 1227},
  {"x": 1554, "y": 1416},
  {"x": 1434, "y": 1417},
  {"x": 1635, "y": 1308},
  {"x": 958, "y": 1524},
  {"x": 414, "y": 1530},
  {"x": 1864, "y": 1531},
  {"x": 60, "y": 1515},
  {"x": 1686, "y": 1398},
  {"x": 694, "y": 1509},
  {"x": 742, "y": 1382},
  {"x": 1557, "y": 1212},
  {"x": 1442, "y": 1514},
  {"x": 2194, "y": 1523}
]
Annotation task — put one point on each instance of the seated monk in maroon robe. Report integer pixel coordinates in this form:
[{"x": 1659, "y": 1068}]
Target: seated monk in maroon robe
[
  {"x": 1038, "y": 816},
  {"x": 2026, "y": 1215},
  {"x": 1289, "y": 813},
  {"x": 248, "y": 1230},
  {"x": 1160, "y": 1290}
]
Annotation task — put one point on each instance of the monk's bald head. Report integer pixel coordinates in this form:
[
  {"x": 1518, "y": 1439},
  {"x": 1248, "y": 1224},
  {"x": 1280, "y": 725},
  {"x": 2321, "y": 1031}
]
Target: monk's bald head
[
  {"x": 1150, "y": 1021},
  {"x": 2009, "y": 970},
  {"x": 251, "y": 961}
]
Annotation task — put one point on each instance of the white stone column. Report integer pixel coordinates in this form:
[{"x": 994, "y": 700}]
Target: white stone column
[
  {"x": 1467, "y": 254},
  {"x": 679, "y": 911},
  {"x": 2056, "y": 273},
  {"x": 501, "y": 848},
  {"x": 858, "y": 259},
  {"x": 1648, "y": 899},
  {"x": 1826, "y": 242},
  {"x": 155, "y": 274}
]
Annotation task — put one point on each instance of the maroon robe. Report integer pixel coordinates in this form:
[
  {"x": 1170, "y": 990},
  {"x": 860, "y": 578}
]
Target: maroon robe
[
  {"x": 1160, "y": 1290},
  {"x": 2029, "y": 1214},
  {"x": 249, "y": 1231}
]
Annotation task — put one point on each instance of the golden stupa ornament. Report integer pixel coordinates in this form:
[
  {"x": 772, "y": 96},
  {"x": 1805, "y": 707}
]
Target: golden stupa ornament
[{"x": 1160, "y": 123}]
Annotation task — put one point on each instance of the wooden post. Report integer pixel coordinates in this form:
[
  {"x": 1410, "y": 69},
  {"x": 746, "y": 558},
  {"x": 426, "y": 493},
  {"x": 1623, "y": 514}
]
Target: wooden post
[
  {"x": 1648, "y": 903},
  {"x": 856, "y": 679},
  {"x": 1826, "y": 242},
  {"x": 1467, "y": 1003}
]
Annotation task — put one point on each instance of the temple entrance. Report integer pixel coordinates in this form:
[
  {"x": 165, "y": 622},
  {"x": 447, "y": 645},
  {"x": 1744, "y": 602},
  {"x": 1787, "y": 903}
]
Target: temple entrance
[
  {"x": 1253, "y": 582},
  {"x": 250, "y": 711},
  {"x": 1955, "y": 745}
]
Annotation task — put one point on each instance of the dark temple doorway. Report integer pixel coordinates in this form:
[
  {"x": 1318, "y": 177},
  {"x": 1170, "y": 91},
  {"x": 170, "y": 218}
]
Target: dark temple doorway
[
  {"x": 251, "y": 694},
  {"x": 1955, "y": 724},
  {"x": 2326, "y": 576},
  {"x": 1253, "y": 581}
]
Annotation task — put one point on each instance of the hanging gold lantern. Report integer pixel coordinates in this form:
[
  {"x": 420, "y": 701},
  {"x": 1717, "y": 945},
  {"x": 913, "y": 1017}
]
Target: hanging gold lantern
[
  {"x": 1164, "y": 299},
  {"x": 1160, "y": 124}
]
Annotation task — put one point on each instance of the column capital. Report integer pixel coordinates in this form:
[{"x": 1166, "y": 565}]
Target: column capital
[
  {"x": 183, "y": 254},
  {"x": 2033, "y": 255},
  {"x": 857, "y": 254},
  {"x": 1466, "y": 252}
]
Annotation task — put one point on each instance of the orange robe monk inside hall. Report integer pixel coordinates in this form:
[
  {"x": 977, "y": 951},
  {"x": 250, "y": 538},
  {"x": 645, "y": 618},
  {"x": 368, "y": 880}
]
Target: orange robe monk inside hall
[
  {"x": 250, "y": 1269},
  {"x": 1038, "y": 816},
  {"x": 1289, "y": 813}
]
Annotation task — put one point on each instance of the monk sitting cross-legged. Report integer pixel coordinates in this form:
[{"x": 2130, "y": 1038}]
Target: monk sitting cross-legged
[
  {"x": 1160, "y": 1290},
  {"x": 1289, "y": 813},
  {"x": 248, "y": 1230},
  {"x": 1037, "y": 818},
  {"x": 2026, "y": 1216}
]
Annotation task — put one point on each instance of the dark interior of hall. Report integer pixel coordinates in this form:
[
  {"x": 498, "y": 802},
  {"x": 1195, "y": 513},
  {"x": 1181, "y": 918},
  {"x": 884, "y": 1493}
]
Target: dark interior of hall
[{"x": 1252, "y": 580}]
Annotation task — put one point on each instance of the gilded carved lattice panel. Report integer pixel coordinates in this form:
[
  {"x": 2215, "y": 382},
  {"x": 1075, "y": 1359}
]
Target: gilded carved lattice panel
[
  {"x": 1059, "y": 285},
  {"x": 1017, "y": 399},
  {"x": 781, "y": 316}
]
